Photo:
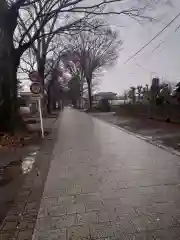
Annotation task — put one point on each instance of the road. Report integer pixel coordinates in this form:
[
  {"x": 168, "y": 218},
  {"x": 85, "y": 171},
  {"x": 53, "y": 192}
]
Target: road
[{"x": 106, "y": 184}]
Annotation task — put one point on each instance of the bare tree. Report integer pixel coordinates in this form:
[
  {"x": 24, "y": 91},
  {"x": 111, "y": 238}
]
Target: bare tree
[
  {"x": 42, "y": 61},
  {"x": 95, "y": 52},
  {"x": 36, "y": 21}
]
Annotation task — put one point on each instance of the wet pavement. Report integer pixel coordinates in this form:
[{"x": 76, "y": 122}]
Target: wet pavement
[
  {"x": 20, "y": 220},
  {"x": 12, "y": 176},
  {"x": 15, "y": 165},
  {"x": 104, "y": 183}
]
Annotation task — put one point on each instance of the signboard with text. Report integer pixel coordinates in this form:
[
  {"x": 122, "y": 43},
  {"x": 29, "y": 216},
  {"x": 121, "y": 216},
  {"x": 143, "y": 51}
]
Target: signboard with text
[{"x": 36, "y": 88}]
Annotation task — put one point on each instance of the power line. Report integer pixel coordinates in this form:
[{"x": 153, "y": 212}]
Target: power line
[
  {"x": 159, "y": 45},
  {"x": 157, "y": 35},
  {"x": 164, "y": 41}
]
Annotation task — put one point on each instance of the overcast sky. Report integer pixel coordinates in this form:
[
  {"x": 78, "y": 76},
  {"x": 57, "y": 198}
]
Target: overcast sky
[{"x": 163, "y": 62}]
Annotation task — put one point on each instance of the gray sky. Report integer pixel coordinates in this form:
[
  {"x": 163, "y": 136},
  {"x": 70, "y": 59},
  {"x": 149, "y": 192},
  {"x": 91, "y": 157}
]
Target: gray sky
[{"x": 163, "y": 62}]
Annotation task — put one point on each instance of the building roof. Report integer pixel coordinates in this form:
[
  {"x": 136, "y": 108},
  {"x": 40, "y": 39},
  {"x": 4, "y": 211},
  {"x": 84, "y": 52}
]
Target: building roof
[{"x": 106, "y": 94}]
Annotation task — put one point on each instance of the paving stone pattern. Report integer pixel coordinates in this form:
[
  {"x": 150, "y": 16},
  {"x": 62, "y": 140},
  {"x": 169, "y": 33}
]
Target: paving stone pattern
[
  {"x": 106, "y": 184},
  {"x": 21, "y": 219}
]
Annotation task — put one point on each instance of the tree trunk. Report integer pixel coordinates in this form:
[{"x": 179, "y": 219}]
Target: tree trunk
[
  {"x": 9, "y": 111},
  {"x": 41, "y": 68},
  {"x": 41, "y": 71},
  {"x": 49, "y": 99},
  {"x": 9, "y": 62},
  {"x": 89, "y": 93}
]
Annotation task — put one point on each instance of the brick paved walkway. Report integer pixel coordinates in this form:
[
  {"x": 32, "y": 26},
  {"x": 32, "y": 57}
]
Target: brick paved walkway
[{"x": 106, "y": 184}]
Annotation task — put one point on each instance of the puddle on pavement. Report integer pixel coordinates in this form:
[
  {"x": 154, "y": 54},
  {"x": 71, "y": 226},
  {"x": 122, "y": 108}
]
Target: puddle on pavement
[{"x": 16, "y": 169}]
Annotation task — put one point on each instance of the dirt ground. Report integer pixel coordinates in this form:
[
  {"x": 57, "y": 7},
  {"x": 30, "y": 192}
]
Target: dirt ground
[{"x": 164, "y": 133}]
